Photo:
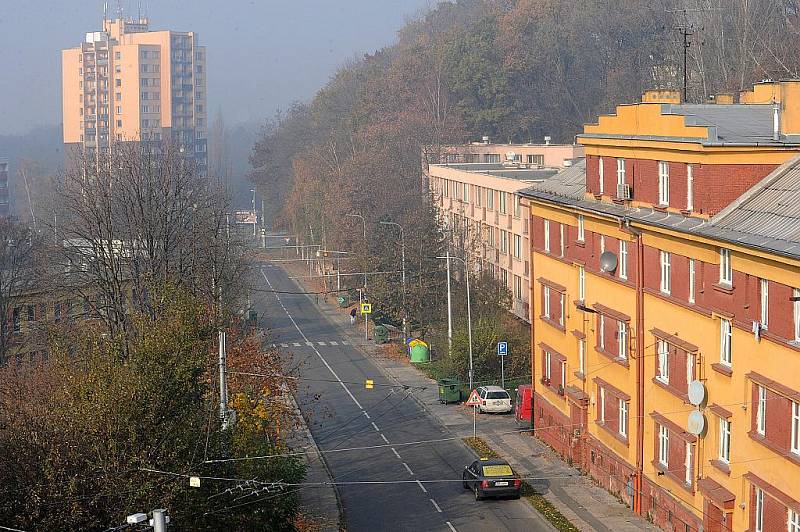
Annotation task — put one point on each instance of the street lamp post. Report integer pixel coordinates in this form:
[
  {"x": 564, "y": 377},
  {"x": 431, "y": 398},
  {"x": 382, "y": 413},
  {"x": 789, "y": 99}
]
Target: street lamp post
[
  {"x": 403, "y": 262},
  {"x": 364, "y": 225},
  {"x": 255, "y": 219},
  {"x": 469, "y": 311}
]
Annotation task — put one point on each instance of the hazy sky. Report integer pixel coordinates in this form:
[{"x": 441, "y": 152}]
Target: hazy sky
[{"x": 262, "y": 54}]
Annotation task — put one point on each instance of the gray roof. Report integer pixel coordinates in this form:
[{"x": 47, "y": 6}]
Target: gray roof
[
  {"x": 766, "y": 217},
  {"x": 734, "y": 124},
  {"x": 570, "y": 182},
  {"x": 505, "y": 171}
]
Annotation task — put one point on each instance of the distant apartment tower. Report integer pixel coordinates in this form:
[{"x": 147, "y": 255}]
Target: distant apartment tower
[
  {"x": 127, "y": 83},
  {"x": 4, "y": 197}
]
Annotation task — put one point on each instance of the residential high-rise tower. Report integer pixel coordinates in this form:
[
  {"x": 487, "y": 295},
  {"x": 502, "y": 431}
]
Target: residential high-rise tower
[{"x": 128, "y": 83}]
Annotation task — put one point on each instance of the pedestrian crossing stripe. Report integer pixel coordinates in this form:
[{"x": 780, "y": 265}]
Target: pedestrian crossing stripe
[
  {"x": 321, "y": 343},
  {"x": 284, "y": 345},
  {"x": 296, "y": 344},
  {"x": 333, "y": 343},
  {"x": 311, "y": 344}
]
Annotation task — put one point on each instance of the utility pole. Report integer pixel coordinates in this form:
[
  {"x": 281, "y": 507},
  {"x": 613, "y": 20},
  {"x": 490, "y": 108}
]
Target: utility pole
[
  {"x": 686, "y": 32},
  {"x": 449, "y": 308},
  {"x": 255, "y": 214},
  {"x": 469, "y": 312},
  {"x": 223, "y": 379}
]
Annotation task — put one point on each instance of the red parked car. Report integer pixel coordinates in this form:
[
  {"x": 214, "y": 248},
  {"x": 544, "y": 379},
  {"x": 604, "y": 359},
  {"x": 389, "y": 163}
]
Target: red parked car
[{"x": 522, "y": 405}]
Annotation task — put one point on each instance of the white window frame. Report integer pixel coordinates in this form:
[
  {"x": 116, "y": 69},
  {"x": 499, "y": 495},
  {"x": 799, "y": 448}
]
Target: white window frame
[
  {"x": 663, "y": 445},
  {"x": 518, "y": 287},
  {"x": 623, "y": 259},
  {"x": 490, "y": 199},
  {"x": 563, "y": 382},
  {"x": 663, "y": 183},
  {"x": 689, "y": 187},
  {"x": 793, "y": 522},
  {"x": 689, "y": 368},
  {"x": 602, "y": 331},
  {"x": 691, "y": 281},
  {"x": 622, "y": 328},
  {"x": 466, "y": 192},
  {"x": 687, "y": 463},
  {"x": 581, "y": 229},
  {"x": 726, "y": 342},
  {"x": 547, "y": 235},
  {"x": 602, "y": 404},
  {"x": 547, "y": 361},
  {"x": 620, "y": 171},
  {"x": 581, "y": 283},
  {"x": 561, "y": 310},
  {"x": 761, "y": 410},
  {"x": 759, "y": 511},
  {"x": 724, "y": 454},
  {"x": 503, "y": 200},
  {"x": 582, "y": 355},
  {"x": 517, "y": 246},
  {"x": 662, "y": 348},
  {"x": 601, "y": 173},
  {"x": 546, "y": 302},
  {"x": 796, "y": 295},
  {"x": 503, "y": 241},
  {"x": 623, "y": 419},
  {"x": 764, "y": 289},
  {"x": 561, "y": 240},
  {"x": 602, "y": 244},
  {"x": 666, "y": 272},
  {"x": 795, "y": 441},
  {"x": 725, "y": 268}
]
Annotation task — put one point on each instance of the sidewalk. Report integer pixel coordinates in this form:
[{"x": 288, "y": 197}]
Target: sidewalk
[{"x": 586, "y": 505}]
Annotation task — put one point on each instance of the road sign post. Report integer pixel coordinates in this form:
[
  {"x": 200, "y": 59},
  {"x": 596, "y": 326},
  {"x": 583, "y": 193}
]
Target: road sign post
[
  {"x": 366, "y": 310},
  {"x": 502, "y": 352},
  {"x": 474, "y": 400}
]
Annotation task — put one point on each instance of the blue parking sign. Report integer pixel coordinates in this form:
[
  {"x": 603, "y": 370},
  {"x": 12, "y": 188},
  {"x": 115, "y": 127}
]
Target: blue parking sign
[{"x": 502, "y": 349}]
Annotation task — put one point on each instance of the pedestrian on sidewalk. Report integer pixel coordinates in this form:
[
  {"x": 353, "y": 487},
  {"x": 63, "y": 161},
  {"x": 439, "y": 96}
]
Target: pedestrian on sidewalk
[{"x": 353, "y": 316}]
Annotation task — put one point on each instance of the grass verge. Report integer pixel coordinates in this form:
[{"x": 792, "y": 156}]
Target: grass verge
[{"x": 536, "y": 499}]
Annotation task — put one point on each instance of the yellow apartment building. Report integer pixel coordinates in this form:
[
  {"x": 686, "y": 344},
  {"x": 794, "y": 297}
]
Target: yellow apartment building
[
  {"x": 478, "y": 201},
  {"x": 128, "y": 83},
  {"x": 666, "y": 312}
]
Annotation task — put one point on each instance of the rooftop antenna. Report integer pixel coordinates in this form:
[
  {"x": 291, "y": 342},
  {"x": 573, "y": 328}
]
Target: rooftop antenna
[{"x": 105, "y": 13}]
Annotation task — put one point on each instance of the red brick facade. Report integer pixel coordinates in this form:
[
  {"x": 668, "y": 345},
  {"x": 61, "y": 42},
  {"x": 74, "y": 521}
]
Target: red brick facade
[{"x": 714, "y": 185}]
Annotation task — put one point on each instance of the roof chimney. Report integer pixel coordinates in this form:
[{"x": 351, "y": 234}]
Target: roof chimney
[
  {"x": 485, "y": 139},
  {"x": 661, "y": 96},
  {"x": 724, "y": 98},
  {"x": 547, "y": 140}
]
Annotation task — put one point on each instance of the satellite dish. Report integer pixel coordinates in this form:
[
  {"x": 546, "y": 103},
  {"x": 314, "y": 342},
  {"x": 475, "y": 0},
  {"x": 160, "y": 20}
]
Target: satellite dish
[
  {"x": 608, "y": 261},
  {"x": 697, "y": 393},
  {"x": 696, "y": 424}
]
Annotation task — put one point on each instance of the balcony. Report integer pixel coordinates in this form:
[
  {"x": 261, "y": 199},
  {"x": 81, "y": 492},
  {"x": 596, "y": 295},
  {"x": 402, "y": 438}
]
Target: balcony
[{"x": 522, "y": 309}]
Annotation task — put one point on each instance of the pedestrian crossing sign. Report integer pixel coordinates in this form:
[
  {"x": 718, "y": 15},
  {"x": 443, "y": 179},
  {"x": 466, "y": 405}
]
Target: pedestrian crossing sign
[
  {"x": 366, "y": 308},
  {"x": 474, "y": 399}
]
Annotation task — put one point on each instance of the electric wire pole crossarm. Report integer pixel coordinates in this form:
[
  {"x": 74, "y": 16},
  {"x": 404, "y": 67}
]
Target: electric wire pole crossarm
[{"x": 469, "y": 306}]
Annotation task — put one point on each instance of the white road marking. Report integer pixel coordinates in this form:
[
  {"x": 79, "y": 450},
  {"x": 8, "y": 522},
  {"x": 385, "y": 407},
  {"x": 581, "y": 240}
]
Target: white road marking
[
  {"x": 333, "y": 343},
  {"x": 273, "y": 345},
  {"x": 396, "y": 453},
  {"x": 367, "y": 415},
  {"x": 451, "y": 526},
  {"x": 296, "y": 344},
  {"x": 344, "y": 342},
  {"x": 421, "y": 487},
  {"x": 321, "y": 343},
  {"x": 310, "y": 344},
  {"x": 435, "y": 505},
  {"x": 335, "y": 376},
  {"x": 408, "y": 469},
  {"x": 284, "y": 345},
  {"x": 384, "y": 438},
  {"x": 374, "y": 426}
]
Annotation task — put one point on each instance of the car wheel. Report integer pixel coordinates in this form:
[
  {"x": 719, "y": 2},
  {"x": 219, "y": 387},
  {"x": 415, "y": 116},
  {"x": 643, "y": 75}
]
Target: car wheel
[
  {"x": 478, "y": 496},
  {"x": 464, "y": 481}
]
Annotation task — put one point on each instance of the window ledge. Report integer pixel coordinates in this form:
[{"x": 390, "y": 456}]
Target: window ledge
[
  {"x": 580, "y": 243},
  {"x": 614, "y": 433},
  {"x": 553, "y": 323},
  {"x": 671, "y": 389},
  {"x": 664, "y": 470},
  {"x": 580, "y": 375},
  {"x": 762, "y": 439},
  {"x": 615, "y": 358},
  {"x": 722, "y": 368},
  {"x": 660, "y": 207},
  {"x": 722, "y": 466},
  {"x": 724, "y": 288}
]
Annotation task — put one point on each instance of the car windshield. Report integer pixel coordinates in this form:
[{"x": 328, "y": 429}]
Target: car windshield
[
  {"x": 501, "y": 470},
  {"x": 497, "y": 395}
]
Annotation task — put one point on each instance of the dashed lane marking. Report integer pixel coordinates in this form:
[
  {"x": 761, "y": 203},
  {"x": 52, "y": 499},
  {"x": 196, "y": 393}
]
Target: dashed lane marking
[
  {"x": 451, "y": 526},
  {"x": 396, "y": 453},
  {"x": 408, "y": 469},
  {"x": 374, "y": 426},
  {"x": 367, "y": 415},
  {"x": 421, "y": 487},
  {"x": 384, "y": 438},
  {"x": 435, "y": 505}
]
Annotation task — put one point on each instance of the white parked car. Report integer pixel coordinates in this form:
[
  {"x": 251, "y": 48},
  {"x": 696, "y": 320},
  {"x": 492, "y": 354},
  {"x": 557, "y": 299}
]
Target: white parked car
[{"x": 494, "y": 399}]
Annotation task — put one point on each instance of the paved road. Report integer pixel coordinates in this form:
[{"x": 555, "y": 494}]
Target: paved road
[{"x": 344, "y": 414}]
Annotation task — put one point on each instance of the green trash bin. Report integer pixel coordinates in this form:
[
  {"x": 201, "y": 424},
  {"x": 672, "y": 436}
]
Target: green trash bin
[
  {"x": 449, "y": 391},
  {"x": 252, "y": 317},
  {"x": 381, "y": 334}
]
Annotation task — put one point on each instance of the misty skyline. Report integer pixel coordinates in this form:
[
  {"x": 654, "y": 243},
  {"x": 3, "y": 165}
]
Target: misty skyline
[{"x": 262, "y": 56}]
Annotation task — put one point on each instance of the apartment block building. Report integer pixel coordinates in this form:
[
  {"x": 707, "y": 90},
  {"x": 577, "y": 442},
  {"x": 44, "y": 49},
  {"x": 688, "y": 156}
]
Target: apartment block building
[
  {"x": 478, "y": 201},
  {"x": 666, "y": 309},
  {"x": 128, "y": 83}
]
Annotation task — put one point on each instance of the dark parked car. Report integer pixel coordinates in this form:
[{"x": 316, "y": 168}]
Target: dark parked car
[{"x": 491, "y": 478}]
